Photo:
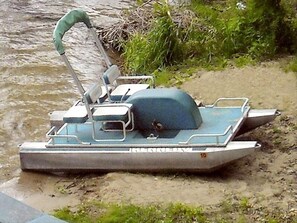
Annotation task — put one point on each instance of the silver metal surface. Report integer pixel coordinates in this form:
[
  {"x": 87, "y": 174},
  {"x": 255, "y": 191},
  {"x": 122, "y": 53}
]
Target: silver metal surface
[
  {"x": 229, "y": 128},
  {"x": 256, "y": 118},
  {"x": 100, "y": 47},
  {"x": 244, "y": 104},
  {"x": 73, "y": 74},
  {"x": 36, "y": 157}
]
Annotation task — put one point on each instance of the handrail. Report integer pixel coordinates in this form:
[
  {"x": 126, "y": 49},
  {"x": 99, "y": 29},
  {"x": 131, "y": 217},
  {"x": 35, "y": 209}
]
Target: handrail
[
  {"x": 245, "y": 102},
  {"x": 139, "y": 77},
  {"x": 52, "y": 135},
  {"x": 51, "y": 132},
  {"x": 230, "y": 127}
]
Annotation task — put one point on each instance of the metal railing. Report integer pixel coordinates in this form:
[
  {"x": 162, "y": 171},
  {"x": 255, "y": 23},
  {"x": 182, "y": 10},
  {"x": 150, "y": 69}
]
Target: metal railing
[
  {"x": 52, "y": 134},
  {"x": 244, "y": 104},
  {"x": 216, "y": 135}
]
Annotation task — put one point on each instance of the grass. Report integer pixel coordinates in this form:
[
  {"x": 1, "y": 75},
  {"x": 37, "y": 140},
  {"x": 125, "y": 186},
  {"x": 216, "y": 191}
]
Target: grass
[
  {"x": 99, "y": 212},
  {"x": 239, "y": 211},
  {"x": 213, "y": 36},
  {"x": 212, "y": 33}
]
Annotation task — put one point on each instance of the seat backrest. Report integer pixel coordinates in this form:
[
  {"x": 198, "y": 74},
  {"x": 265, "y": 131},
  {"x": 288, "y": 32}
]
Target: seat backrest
[
  {"x": 111, "y": 74},
  {"x": 93, "y": 93}
]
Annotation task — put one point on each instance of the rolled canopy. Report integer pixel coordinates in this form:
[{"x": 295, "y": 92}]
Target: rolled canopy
[{"x": 65, "y": 23}]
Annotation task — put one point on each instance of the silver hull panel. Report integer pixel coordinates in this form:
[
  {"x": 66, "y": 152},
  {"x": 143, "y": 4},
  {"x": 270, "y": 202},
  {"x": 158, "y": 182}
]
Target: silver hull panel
[
  {"x": 257, "y": 118},
  {"x": 35, "y": 156}
]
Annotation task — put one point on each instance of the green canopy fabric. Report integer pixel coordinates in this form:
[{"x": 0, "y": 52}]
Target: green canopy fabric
[{"x": 65, "y": 23}]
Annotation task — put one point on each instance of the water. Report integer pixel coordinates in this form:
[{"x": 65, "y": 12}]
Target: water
[{"x": 34, "y": 80}]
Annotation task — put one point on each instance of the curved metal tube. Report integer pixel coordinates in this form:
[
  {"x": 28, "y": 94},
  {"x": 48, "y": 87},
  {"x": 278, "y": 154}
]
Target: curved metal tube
[{"x": 65, "y": 23}]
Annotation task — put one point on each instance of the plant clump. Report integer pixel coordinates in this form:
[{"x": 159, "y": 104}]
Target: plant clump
[
  {"x": 230, "y": 211},
  {"x": 210, "y": 32}
]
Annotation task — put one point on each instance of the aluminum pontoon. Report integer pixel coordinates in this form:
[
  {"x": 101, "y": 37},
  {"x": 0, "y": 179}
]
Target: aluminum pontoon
[{"x": 133, "y": 127}]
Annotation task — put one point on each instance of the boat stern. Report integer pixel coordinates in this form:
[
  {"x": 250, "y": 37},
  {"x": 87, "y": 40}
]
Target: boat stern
[
  {"x": 257, "y": 118},
  {"x": 27, "y": 152}
]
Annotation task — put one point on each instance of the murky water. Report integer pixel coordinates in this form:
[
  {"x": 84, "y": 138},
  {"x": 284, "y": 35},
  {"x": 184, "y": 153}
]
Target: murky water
[{"x": 34, "y": 80}]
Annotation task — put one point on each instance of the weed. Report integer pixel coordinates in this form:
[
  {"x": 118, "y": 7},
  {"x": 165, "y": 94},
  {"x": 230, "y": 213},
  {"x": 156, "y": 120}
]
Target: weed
[
  {"x": 276, "y": 130},
  {"x": 212, "y": 33},
  {"x": 160, "y": 46},
  {"x": 81, "y": 215},
  {"x": 62, "y": 189},
  {"x": 277, "y": 141},
  {"x": 183, "y": 213},
  {"x": 227, "y": 206},
  {"x": 292, "y": 66},
  {"x": 244, "y": 204},
  {"x": 243, "y": 60}
]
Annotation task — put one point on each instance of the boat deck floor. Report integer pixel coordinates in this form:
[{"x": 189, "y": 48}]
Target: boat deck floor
[{"x": 215, "y": 121}]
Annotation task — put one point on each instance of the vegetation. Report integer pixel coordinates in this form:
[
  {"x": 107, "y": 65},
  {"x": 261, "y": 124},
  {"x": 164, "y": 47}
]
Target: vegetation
[
  {"x": 212, "y": 33},
  {"x": 98, "y": 212},
  {"x": 230, "y": 211}
]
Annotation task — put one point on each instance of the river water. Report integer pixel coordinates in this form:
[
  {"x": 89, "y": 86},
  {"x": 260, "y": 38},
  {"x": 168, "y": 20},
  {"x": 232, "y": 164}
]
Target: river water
[{"x": 34, "y": 80}]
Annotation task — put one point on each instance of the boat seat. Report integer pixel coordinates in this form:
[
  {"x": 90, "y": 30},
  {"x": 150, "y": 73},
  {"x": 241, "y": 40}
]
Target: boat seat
[
  {"x": 76, "y": 114},
  {"x": 108, "y": 113},
  {"x": 117, "y": 111},
  {"x": 97, "y": 93},
  {"x": 120, "y": 92}
]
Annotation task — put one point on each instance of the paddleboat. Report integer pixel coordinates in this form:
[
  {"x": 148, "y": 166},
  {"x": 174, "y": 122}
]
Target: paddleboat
[{"x": 139, "y": 128}]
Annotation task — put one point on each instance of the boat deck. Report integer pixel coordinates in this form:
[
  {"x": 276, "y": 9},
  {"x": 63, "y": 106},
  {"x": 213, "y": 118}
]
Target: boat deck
[{"x": 218, "y": 127}]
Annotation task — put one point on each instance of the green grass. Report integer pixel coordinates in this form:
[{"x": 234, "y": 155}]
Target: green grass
[
  {"x": 238, "y": 211},
  {"x": 292, "y": 66},
  {"x": 113, "y": 213},
  {"x": 212, "y": 33}
]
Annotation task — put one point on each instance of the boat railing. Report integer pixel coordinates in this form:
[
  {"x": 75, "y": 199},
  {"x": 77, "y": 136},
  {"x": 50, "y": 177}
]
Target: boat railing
[
  {"x": 244, "y": 104},
  {"x": 52, "y": 134},
  {"x": 215, "y": 135},
  {"x": 139, "y": 78}
]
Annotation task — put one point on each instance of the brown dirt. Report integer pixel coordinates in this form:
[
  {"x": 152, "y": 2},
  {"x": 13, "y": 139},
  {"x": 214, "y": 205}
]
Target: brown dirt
[{"x": 267, "y": 178}]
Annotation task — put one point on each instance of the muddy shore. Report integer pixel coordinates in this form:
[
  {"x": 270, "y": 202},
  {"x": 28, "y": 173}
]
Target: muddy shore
[{"x": 267, "y": 178}]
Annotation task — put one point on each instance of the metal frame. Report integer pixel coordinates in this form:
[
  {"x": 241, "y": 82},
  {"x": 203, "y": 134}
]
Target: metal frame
[
  {"x": 52, "y": 134},
  {"x": 245, "y": 102},
  {"x": 113, "y": 83},
  {"x": 229, "y": 128}
]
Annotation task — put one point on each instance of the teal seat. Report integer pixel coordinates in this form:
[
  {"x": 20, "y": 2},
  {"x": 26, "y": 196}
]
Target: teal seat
[
  {"x": 111, "y": 112},
  {"x": 120, "y": 92},
  {"x": 107, "y": 113},
  {"x": 76, "y": 114},
  {"x": 97, "y": 93}
]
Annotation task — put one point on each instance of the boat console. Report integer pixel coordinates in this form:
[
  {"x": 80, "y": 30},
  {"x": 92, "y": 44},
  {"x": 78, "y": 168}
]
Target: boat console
[{"x": 164, "y": 109}]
